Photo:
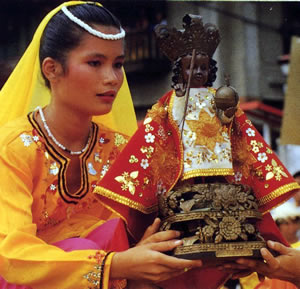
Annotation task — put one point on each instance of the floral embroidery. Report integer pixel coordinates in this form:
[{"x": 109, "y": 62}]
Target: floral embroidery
[
  {"x": 119, "y": 139},
  {"x": 238, "y": 176},
  {"x": 148, "y": 151},
  {"x": 144, "y": 164},
  {"x": 250, "y": 132},
  {"x": 98, "y": 256},
  {"x": 26, "y": 139},
  {"x": 53, "y": 170},
  {"x": 275, "y": 171},
  {"x": 97, "y": 158},
  {"x": 208, "y": 130},
  {"x": 91, "y": 169},
  {"x": 161, "y": 189},
  {"x": 35, "y": 138},
  {"x": 249, "y": 122},
  {"x": 149, "y": 137},
  {"x": 104, "y": 170},
  {"x": 269, "y": 151},
  {"x": 133, "y": 159},
  {"x": 93, "y": 277},
  {"x": 148, "y": 128},
  {"x": 262, "y": 157},
  {"x": 128, "y": 181},
  {"x": 52, "y": 187},
  {"x": 161, "y": 132},
  {"x": 103, "y": 139}
]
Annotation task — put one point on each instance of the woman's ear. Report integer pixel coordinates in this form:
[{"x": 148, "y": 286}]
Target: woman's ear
[{"x": 52, "y": 69}]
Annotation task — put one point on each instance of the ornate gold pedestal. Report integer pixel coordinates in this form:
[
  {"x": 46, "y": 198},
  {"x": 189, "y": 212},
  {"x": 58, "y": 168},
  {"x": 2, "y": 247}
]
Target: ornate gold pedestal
[{"x": 217, "y": 221}]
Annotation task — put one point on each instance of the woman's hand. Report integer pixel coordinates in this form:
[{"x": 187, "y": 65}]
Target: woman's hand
[
  {"x": 147, "y": 262},
  {"x": 286, "y": 266}
]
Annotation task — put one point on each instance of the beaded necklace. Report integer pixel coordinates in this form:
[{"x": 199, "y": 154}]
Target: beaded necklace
[{"x": 56, "y": 141}]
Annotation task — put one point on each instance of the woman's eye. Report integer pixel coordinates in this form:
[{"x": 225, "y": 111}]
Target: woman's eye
[
  {"x": 94, "y": 63},
  {"x": 119, "y": 65}
]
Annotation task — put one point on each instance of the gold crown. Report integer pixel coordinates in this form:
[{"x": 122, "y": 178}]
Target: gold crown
[{"x": 175, "y": 43}]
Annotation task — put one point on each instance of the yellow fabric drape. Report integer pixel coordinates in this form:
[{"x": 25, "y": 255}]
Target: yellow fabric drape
[{"x": 25, "y": 88}]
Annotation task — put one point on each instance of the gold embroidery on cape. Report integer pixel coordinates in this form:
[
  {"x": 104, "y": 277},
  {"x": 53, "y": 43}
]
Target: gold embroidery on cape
[
  {"x": 239, "y": 112},
  {"x": 275, "y": 171},
  {"x": 133, "y": 159},
  {"x": 148, "y": 151},
  {"x": 208, "y": 131},
  {"x": 120, "y": 139},
  {"x": 164, "y": 162},
  {"x": 242, "y": 160},
  {"x": 128, "y": 181},
  {"x": 158, "y": 112}
]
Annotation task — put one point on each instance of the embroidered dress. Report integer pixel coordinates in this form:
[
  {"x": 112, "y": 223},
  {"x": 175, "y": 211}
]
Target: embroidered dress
[{"x": 38, "y": 213}]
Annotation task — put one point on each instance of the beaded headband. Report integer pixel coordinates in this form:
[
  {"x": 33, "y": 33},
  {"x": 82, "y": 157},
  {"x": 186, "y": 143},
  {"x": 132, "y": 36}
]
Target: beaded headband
[
  {"x": 175, "y": 43},
  {"x": 91, "y": 30}
]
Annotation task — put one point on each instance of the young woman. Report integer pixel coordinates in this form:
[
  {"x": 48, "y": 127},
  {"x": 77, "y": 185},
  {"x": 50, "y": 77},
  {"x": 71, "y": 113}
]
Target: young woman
[{"x": 54, "y": 232}]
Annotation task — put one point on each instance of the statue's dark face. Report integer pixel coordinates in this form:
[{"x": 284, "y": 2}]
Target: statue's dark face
[{"x": 200, "y": 70}]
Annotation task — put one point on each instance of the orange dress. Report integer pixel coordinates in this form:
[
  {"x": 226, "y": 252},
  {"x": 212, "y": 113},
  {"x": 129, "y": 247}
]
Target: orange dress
[{"x": 37, "y": 210}]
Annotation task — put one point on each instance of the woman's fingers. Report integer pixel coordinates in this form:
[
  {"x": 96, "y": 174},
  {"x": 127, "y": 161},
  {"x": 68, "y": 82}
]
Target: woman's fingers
[
  {"x": 152, "y": 229},
  {"x": 269, "y": 258},
  {"x": 283, "y": 250},
  {"x": 160, "y": 237}
]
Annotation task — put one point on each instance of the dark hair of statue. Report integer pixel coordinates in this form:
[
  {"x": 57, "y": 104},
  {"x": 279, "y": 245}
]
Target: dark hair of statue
[
  {"x": 61, "y": 35},
  {"x": 177, "y": 71}
]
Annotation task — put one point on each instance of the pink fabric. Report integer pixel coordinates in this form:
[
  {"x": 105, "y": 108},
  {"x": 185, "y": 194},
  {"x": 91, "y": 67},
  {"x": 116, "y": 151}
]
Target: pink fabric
[{"x": 111, "y": 236}]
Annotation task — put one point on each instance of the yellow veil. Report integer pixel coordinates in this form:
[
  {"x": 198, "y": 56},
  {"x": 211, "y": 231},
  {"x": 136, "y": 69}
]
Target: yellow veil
[{"x": 25, "y": 89}]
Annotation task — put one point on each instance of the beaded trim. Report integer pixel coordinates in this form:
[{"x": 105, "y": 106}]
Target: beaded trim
[
  {"x": 92, "y": 30},
  {"x": 56, "y": 141}
]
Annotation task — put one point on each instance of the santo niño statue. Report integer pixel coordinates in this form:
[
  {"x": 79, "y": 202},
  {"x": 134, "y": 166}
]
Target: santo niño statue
[{"x": 198, "y": 162}]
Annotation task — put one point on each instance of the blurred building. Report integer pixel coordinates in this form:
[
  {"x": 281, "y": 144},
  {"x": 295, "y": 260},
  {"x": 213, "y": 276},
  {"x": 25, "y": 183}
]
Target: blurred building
[{"x": 253, "y": 35}]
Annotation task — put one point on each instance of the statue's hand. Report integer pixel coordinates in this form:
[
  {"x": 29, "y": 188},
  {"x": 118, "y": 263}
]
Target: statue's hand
[
  {"x": 180, "y": 89},
  {"x": 229, "y": 112}
]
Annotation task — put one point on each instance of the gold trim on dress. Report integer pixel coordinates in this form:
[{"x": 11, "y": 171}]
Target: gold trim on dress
[
  {"x": 278, "y": 192},
  {"x": 124, "y": 201},
  {"x": 207, "y": 172}
]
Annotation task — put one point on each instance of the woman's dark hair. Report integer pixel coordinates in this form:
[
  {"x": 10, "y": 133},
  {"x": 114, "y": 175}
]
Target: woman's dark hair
[
  {"x": 61, "y": 35},
  {"x": 177, "y": 72}
]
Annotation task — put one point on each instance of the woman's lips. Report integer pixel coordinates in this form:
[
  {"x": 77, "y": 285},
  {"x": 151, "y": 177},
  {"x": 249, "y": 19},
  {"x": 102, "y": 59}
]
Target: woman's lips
[{"x": 107, "y": 95}]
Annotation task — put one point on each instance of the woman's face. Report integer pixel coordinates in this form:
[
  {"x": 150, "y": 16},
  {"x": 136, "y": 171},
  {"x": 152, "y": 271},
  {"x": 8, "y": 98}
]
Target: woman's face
[
  {"x": 93, "y": 74},
  {"x": 200, "y": 70}
]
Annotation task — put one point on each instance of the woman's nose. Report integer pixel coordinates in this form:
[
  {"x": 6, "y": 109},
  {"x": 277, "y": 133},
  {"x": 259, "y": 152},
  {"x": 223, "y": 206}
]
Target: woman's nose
[{"x": 110, "y": 77}]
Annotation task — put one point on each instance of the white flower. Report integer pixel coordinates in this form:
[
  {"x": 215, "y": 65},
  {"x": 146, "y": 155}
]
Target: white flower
[
  {"x": 250, "y": 132},
  {"x": 35, "y": 138},
  {"x": 149, "y": 137},
  {"x": 26, "y": 139},
  {"x": 52, "y": 187},
  {"x": 160, "y": 188},
  {"x": 144, "y": 164},
  {"x": 262, "y": 157},
  {"x": 104, "y": 170},
  {"x": 238, "y": 176},
  {"x": 101, "y": 140}
]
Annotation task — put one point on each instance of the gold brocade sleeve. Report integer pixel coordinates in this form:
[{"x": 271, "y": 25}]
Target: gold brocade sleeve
[{"x": 26, "y": 259}]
